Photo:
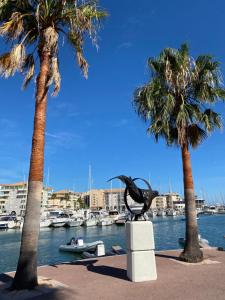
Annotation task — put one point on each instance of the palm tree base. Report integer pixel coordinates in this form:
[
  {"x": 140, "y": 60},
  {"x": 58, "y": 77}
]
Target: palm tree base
[
  {"x": 23, "y": 286},
  {"x": 23, "y": 283},
  {"x": 193, "y": 256}
]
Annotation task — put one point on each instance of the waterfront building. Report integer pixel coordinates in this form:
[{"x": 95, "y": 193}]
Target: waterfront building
[
  {"x": 113, "y": 200},
  {"x": 179, "y": 205},
  {"x": 171, "y": 198},
  {"x": 159, "y": 202},
  {"x": 2, "y": 205},
  {"x": 200, "y": 203},
  {"x": 94, "y": 199},
  {"x": 14, "y": 197},
  {"x": 64, "y": 199}
]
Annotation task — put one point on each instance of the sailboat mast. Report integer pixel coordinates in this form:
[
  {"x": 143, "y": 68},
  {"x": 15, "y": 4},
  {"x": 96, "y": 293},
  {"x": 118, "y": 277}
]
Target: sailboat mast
[{"x": 89, "y": 183}]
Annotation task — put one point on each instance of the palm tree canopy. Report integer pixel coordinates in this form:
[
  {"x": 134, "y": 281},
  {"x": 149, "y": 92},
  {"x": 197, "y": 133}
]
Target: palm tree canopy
[
  {"x": 176, "y": 101},
  {"x": 34, "y": 25}
]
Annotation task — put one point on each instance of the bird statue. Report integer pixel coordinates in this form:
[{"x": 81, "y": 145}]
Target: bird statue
[{"x": 138, "y": 195}]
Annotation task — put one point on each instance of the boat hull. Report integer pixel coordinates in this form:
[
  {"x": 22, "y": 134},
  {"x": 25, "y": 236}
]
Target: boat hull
[
  {"x": 58, "y": 224},
  {"x": 80, "y": 249},
  {"x": 90, "y": 223}
]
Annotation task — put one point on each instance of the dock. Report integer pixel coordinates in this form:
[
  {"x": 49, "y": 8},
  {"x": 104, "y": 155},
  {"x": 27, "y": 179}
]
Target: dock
[{"x": 105, "y": 279}]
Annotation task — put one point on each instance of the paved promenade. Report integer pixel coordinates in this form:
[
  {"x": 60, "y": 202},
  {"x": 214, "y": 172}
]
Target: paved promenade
[{"x": 105, "y": 279}]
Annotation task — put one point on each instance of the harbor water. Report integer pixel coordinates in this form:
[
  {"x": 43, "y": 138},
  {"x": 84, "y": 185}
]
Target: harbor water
[{"x": 167, "y": 230}]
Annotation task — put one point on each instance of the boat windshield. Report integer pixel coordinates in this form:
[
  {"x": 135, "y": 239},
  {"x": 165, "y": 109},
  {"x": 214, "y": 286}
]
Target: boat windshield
[{"x": 113, "y": 213}]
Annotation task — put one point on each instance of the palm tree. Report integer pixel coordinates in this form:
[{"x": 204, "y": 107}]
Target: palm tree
[
  {"x": 33, "y": 29},
  {"x": 176, "y": 104}
]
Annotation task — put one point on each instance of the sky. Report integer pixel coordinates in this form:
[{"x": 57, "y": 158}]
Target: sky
[{"x": 93, "y": 121}]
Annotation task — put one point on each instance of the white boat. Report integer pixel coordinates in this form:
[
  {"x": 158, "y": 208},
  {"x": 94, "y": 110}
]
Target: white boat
[
  {"x": 161, "y": 213},
  {"x": 90, "y": 222},
  {"x": 45, "y": 223},
  {"x": 121, "y": 221},
  {"x": 114, "y": 215},
  {"x": 171, "y": 213},
  {"x": 152, "y": 213},
  {"x": 8, "y": 222},
  {"x": 78, "y": 246},
  {"x": 74, "y": 222},
  {"x": 105, "y": 222},
  {"x": 60, "y": 221}
]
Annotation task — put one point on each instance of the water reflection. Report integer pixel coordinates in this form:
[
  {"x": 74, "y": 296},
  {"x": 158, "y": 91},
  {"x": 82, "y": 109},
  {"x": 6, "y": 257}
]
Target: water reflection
[{"x": 167, "y": 231}]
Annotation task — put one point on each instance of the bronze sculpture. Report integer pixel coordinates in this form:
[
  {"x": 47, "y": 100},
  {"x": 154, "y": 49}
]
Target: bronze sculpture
[{"x": 138, "y": 195}]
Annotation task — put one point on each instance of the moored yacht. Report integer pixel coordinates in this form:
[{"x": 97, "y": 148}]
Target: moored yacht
[
  {"x": 8, "y": 222},
  {"x": 161, "y": 213},
  {"x": 45, "y": 223},
  {"x": 74, "y": 222},
  {"x": 152, "y": 213},
  {"x": 105, "y": 222},
  {"x": 171, "y": 213},
  {"x": 90, "y": 222},
  {"x": 60, "y": 220}
]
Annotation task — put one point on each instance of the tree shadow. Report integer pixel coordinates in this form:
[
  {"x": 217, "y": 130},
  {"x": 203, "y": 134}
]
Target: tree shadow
[
  {"x": 167, "y": 256},
  {"x": 39, "y": 293},
  {"x": 4, "y": 278},
  {"x": 103, "y": 270},
  {"x": 58, "y": 294}
]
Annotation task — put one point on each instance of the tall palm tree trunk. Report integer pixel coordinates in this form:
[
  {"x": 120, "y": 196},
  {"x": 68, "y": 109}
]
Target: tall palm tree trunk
[
  {"x": 192, "y": 252},
  {"x": 26, "y": 273}
]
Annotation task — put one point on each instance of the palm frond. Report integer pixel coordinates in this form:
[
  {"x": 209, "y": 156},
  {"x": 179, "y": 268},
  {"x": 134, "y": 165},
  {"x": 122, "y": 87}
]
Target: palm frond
[
  {"x": 13, "y": 61},
  {"x": 14, "y": 27},
  {"x": 195, "y": 135},
  {"x": 55, "y": 77},
  {"x": 37, "y": 25},
  {"x": 76, "y": 41},
  {"x": 174, "y": 99},
  {"x": 29, "y": 67}
]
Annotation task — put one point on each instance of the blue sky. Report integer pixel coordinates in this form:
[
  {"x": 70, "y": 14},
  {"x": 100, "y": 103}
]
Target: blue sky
[{"x": 93, "y": 121}]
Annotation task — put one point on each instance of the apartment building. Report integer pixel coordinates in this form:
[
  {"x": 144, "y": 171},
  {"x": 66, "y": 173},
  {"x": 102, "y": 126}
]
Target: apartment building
[
  {"x": 113, "y": 200},
  {"x": 13, "y": 197},
  {"x": 64, "y": 199},
  {"x": 94, "y": 199},
  {"x": 172, "y": 198},
  {"x": 159, "y": 202}
]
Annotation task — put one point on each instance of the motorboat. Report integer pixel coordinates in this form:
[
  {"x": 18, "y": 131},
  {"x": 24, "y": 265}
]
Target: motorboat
[
  {"x": 45, "y": 223},
  {"x": 203, "y": 243},
  {"x": 105, "y": 222},
  {"x": 161, "y": 213},
  {"x": 60, "y": 220},
  {"x": 8, "y": 222},
  {"x": 76, "y": 222},
  {"x": 121, "y": 221},
  {"x": 152, "y": 213},
  {"x": 58, "y": 223},
  {"x": 171, "y": 213},
  {"x": 90, "y": 222},
  {"x": 79, "y": 246},
  {"x": 114, "y": 215}
]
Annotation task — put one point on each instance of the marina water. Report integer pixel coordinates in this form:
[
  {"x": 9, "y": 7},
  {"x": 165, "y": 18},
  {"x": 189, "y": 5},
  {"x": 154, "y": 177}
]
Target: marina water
[{"x": 167, "y": 230}]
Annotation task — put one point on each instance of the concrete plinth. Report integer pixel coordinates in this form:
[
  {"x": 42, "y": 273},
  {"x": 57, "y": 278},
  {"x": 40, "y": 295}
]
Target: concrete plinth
[
  {"x": 141, "y": 265},
  {"x": 140, "y": 251}
]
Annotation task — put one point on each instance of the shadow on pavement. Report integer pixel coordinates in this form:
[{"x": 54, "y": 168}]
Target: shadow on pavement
[
  {"x": 104, "y": 270},
  {"x": 4, "y": 278},
  {"x": 167, "y": 256}
]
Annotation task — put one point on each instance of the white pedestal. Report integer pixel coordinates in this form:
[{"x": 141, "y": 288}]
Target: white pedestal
[{"x": 141, "y": 264}]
